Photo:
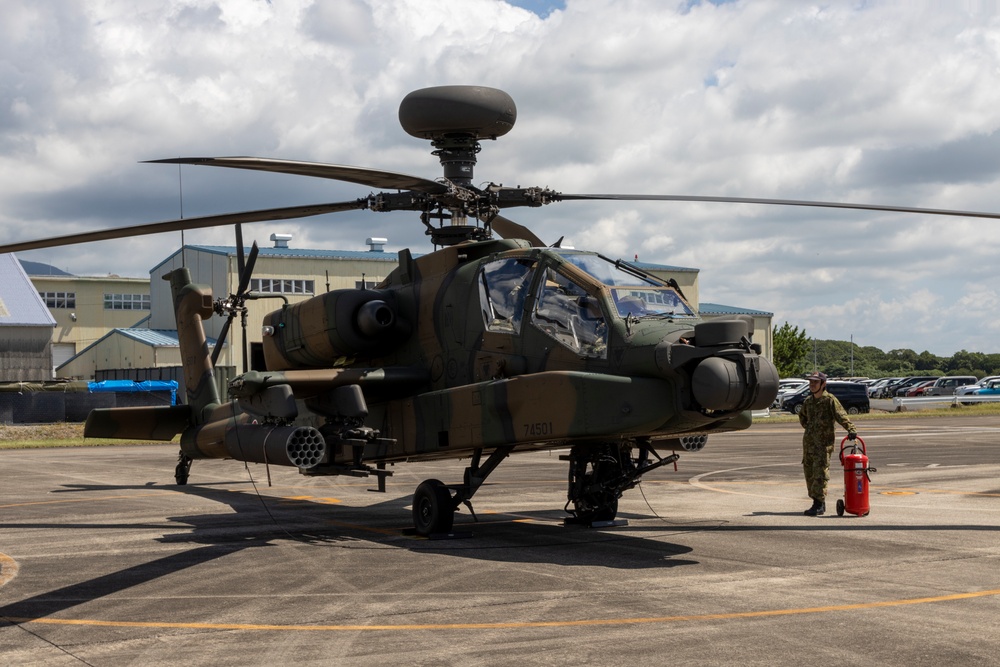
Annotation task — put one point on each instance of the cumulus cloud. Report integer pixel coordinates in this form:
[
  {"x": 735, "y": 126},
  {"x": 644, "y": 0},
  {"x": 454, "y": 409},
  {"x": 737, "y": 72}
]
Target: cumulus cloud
[{"x": 876, "y": 102}]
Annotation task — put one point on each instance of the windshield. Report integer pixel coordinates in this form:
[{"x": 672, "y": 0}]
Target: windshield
[
  {"x": 605, "y": 270},
  {"x": 634, "y": 294}
]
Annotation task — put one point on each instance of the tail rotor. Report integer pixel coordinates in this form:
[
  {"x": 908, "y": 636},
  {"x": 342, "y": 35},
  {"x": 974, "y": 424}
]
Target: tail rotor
[{"x": 236, "y": 303}]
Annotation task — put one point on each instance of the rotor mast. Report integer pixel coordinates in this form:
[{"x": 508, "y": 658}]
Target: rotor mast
[{"x": 454, "y": 119}]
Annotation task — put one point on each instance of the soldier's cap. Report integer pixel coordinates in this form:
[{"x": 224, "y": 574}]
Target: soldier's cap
[{"x": 817, "y": 376}]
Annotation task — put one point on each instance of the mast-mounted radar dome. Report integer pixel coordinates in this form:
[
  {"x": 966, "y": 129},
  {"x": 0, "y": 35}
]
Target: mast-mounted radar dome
[{"x": 448, "y": 111}]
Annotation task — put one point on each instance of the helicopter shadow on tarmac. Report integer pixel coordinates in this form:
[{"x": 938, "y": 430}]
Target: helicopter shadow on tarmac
[
  {"x": 257, "y": 521},
  {"x": 527, "y": 537}
]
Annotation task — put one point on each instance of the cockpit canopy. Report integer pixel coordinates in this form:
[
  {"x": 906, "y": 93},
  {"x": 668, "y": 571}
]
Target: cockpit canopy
[{"x": 569, "y": 307}]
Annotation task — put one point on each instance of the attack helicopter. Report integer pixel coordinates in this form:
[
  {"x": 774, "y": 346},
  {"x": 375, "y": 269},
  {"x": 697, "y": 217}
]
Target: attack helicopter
[{"x": 493, "y": 344}]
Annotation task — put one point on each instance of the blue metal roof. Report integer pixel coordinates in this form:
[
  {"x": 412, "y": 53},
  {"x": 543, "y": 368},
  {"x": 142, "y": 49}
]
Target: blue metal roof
[
  {"x": 41, "y": 269},
  {"x": 301, "y": 253},
  {"x": 152, "y": 337},
  {"x": 718, "y": 309},
  {"x": 20, "y": 304},
  {"x": 648, "y": 266}
]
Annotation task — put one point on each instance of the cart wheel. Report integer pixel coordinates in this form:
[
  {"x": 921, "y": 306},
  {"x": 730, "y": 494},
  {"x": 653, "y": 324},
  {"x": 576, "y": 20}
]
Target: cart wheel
[{"x": 840, "y": 508}]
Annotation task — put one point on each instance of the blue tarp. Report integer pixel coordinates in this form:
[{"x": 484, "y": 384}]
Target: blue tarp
[{"x": 130, "y": 386}]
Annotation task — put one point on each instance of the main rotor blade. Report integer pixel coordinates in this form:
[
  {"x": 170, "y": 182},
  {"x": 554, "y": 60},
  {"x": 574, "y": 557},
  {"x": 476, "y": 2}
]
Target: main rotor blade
[
  {"x": 780, "y": 202},
  {"x": 187, "y": 223},
  {"x": 374, "y": 178},
  {"x": 508, "y": 229}
]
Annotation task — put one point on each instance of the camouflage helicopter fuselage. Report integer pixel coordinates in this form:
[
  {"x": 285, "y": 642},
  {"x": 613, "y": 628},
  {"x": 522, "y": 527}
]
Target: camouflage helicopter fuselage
[{"x": 481, "y": 347}]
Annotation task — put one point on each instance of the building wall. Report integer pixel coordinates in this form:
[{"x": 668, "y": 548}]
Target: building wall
[
  {"x": 26, "y": 354},
  {"x": 119, "y": 351},
  {"x": 88, "y": 320}
]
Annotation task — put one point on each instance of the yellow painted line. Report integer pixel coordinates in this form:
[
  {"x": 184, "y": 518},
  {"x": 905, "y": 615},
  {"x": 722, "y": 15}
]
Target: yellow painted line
[
  {"x": 8, "y": 569},
  {"x": 505, "y": 625}
]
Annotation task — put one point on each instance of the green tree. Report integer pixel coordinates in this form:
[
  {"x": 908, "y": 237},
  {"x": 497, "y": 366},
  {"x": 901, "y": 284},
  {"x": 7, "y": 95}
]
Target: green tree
[
  {"x": 791, "y": 349},
  {"x": 928, "y": 362}
]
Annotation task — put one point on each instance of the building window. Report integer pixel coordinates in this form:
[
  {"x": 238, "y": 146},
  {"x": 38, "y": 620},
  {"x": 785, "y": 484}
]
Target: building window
[
  {"x": 282, "y": 286},
  {"x": 59, "y": 299},
  {"x": 367, "y": 284},
  {"x": 126, "y": 302}
]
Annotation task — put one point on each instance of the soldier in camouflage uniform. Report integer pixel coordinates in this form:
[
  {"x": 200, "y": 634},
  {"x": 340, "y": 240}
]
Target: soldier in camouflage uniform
[{"x": 818, "y": 414}]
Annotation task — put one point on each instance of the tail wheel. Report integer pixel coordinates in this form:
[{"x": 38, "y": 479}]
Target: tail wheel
[
  {"x": 433, "y": 508},
  {"x": 183, "y": 469}
]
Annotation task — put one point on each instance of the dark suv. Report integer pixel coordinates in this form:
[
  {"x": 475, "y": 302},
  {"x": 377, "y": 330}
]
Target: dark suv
[{"x": 852, "y": 395}]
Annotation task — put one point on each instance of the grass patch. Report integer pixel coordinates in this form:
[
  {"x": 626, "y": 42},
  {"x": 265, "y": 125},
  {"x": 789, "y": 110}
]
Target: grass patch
[{"x": 59, "y": 434}]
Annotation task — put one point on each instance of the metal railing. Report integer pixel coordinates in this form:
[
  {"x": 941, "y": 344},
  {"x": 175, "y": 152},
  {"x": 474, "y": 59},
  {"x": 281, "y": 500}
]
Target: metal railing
[{"x": 899, "y": 402}]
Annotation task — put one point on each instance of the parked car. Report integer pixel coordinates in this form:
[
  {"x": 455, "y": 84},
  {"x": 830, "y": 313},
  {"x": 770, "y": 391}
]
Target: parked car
[
  {"x": 889, "y": 388},
  {"x": 908, "y": 383},
  {"x": 946, "y": 386},
  {"x": 992, "y": 388},
  {"x": 972, "y": 388},
  {"x": 875, "y": 389},
  {"x": 852, "y": 395},
  {"x": 787, "y": 386},
  {"x": 920, "y": 388}
]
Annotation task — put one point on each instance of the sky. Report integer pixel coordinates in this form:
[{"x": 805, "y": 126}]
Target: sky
[{"x": 873, "y": 102}]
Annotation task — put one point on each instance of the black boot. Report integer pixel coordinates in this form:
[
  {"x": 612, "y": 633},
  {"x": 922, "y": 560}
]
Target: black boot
[{"x": 818, "y": 508}]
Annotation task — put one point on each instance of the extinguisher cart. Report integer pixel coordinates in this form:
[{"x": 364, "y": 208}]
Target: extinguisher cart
[{"x": 854, "y": 458}]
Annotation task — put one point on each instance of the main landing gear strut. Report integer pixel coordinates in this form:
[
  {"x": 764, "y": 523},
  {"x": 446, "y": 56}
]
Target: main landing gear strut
[
  {"x": 598, "y": 475},
  {"x": 434, "y": 505}
]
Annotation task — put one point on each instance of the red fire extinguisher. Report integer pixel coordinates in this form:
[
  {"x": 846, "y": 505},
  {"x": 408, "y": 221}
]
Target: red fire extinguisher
[{"x": 856, "y": 478}]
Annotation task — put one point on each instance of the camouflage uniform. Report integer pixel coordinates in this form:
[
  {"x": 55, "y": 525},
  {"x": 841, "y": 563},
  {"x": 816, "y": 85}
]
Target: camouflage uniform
[{"x": 817, "y": 417}]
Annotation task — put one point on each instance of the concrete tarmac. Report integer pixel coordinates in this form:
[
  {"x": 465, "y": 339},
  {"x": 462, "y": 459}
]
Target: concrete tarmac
[{"x": 104, "y": 561}]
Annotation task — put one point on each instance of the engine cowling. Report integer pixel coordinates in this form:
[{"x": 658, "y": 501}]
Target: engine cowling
[{"x": 342, "y": 323}]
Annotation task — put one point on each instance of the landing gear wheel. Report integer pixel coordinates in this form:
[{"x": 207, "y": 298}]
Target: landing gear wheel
[
  {"x": 840, "y": 508},
  {"x": 604, "y": 512},
  {"x": 433, "y": 508},
  {"x": 183, "y": 469}
]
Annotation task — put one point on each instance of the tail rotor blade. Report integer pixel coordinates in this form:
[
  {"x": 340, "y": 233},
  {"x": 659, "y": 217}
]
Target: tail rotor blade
[
  {"x": 247, "y": 271},
  {"x": 221, "y": 340},
  {"x": 240, "y": 259}
]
